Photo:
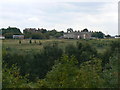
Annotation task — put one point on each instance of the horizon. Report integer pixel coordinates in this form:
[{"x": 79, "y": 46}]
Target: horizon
[
  {"x": 59, "y": 31},
  {"x": 95, "y": 16}
]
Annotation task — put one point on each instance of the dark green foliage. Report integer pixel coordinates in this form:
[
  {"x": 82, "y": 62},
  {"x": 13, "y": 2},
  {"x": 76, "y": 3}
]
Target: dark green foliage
[
  {"x": 69, "y": 30},
  {"x": 81, "y": 67},
  {"x": 12, "y": 30},
  {"x": 37, "y": 36},
  {"x": 85, "y": 30},
  {"x": 13, "y": 79},
  {"x": 82, "y": 51},
  {"x": 55, "y": 34},
  {"x": 41, "y": 62},
  {"x": 27, "y": 35},
  {"x": 114, "y": 48},
  {"x": 40, "y": 43},
  {"x": 70, "y": 50},
  {"x": 45, "y": 60},
  {"x": 43, "y": 30},
  {"x": 20, "y": 42},
  {"x": 8, "y": 35},
  {"x": 108, "y": 36},
  {"x": 111, "y": 72},
  {"x": 62, "y": 74},
  {"x": 98, "y": 34},
  {"x": 30, "y": 41},
  {"x": 43, "y": 34},
  {"x": 66, "y": 74}
]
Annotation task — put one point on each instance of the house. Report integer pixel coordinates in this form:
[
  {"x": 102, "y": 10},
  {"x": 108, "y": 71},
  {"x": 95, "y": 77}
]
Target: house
[
  {"x": 18, "y": 36},
  {"x": 84, "y": 34},
  {"x": 117, "y": 36}
]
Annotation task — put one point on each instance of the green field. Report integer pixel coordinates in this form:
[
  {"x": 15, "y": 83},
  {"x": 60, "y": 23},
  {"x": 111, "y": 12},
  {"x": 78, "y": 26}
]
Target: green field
[{"x": 100, "y": 44}]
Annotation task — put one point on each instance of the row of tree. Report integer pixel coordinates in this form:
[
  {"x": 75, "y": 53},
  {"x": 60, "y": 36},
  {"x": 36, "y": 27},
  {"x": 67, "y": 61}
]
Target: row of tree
[{"x": 43, "y": 34}]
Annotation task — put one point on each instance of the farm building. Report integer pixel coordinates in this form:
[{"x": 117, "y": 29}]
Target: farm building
[
  {"x": 18, "y": 36},
  {"x": 84, "y": 34}
]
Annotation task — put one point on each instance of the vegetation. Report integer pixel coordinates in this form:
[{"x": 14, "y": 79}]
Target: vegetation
[
  {"x": 98, "y": 34},
  {"x": 43, "y": 33},
  {"x": 61, "y": 63},
  {"x": 10, "y": 31}
]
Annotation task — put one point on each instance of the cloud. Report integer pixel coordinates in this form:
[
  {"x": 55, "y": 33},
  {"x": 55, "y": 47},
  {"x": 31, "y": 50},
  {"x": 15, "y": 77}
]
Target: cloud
[
  {"x": 77, "y": 15},
  {"x": 34, "y": 19}
]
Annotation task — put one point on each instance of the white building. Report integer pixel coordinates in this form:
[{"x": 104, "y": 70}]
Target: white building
[{"x": 18, "y": 36}]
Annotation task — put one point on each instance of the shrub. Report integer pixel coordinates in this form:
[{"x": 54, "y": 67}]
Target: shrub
[{"x": 13, "y": 79}]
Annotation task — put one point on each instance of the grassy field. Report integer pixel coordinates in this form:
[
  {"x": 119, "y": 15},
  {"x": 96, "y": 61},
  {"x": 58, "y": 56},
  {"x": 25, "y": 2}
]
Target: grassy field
[
  {"x": 25, "y": 44},
  {"x": 100, "y": 44}
]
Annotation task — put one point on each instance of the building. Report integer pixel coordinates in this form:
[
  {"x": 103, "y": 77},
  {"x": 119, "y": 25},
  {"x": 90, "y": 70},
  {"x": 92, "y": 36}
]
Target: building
[
  {"x": 117, "y": 37},
  {"x": 18, "y": 36},
  {"x": 84, "y": 34}
]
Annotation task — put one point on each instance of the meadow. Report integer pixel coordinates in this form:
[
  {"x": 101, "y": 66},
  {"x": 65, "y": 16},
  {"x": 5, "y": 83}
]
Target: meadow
[
  {"x": 100, "y": 44},
  {"x": 57, "y": 63}
]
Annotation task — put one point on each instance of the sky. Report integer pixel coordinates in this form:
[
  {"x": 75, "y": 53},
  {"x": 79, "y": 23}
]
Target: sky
[{"x": 95, "y": 15}]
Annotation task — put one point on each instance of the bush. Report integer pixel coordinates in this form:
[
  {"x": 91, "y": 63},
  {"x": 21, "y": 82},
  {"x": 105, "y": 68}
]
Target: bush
[
  {"x": 82, "y": 51},
  {"x": 13, "y": 79},
  {"x": 66, "y": 74},
  {"x": 19, "y": 41},
  {"x": 30, "y": 41},
  {"x": 8, "y": 35}
]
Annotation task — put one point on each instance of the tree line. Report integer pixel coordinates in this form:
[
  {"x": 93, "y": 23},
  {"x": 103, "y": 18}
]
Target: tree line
[{"x": 44, "y": 34}]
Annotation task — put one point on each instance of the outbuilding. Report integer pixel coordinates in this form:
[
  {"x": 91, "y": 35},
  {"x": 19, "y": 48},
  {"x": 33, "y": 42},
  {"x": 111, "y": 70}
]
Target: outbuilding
[{"x": 18, "y": 36}]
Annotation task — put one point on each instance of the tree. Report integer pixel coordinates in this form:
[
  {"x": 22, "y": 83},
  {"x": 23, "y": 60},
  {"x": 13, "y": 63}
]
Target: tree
[
  {"x": 89, "y": 74},
  {"x": 13, "y": 79},
  {"x": 40, "y": 43},
  {"x": 66, "y": 74},
  {"x": 113, "y": 48},
  {"x": 111, "y": 72},
  {"x": 62, "y": 73},
  {"x": 85, "y": 30},
  {"x": 70, "y": 50},
  {"x": 30, "y": 41},
  {"x": 69, "y": 30},
  {"x": 108, "y": 36},
  {"x": 98, "y": 34},
  {"x": 12, "y": 30},
  {"x": 19, "y": 41},
  {"x": 43, "y": 30},
  {"x": 8, "y": 35},
  {"x": 37, "y": 36},
  {"x": 82, "y": 51}
]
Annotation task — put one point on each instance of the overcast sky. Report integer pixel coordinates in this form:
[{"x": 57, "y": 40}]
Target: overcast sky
[{"x": 96, "y": 15}]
